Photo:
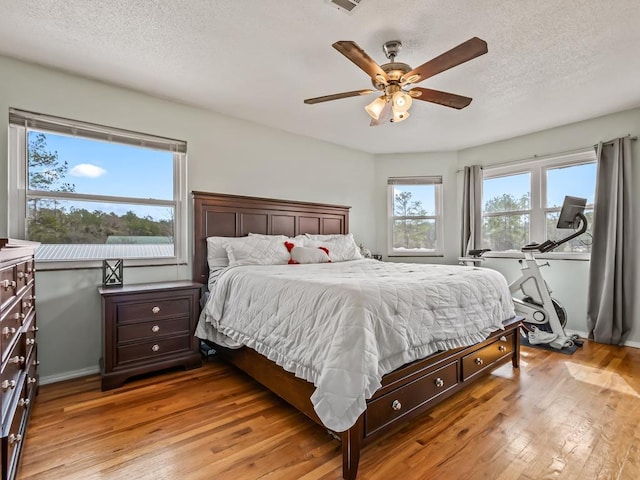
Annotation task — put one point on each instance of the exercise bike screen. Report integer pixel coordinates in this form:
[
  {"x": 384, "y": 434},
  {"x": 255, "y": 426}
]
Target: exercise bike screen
[{"x": 571, "y": 207}]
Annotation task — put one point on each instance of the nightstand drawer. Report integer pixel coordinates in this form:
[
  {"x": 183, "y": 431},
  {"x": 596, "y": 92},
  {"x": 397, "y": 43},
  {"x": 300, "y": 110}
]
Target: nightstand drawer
[
  {"x": 149, "y": 350},
  {"x": 150, "y": 330},
  {"x": 152, "y": 309}
]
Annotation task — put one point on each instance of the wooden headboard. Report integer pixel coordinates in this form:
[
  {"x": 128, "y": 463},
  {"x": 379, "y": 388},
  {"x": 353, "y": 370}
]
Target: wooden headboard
[{"x": 222, "y": 215}]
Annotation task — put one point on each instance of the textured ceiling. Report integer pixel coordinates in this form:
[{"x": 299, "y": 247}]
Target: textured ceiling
[{"x": 550, "y": 62}]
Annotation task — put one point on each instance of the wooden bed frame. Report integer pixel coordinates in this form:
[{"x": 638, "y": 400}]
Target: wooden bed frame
[{"x": 405, "y": 392}]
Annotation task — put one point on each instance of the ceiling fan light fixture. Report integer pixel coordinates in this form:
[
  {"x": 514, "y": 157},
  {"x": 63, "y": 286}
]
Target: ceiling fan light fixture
[
  {"x": 401, "y": 101},
  {"x": 375, "y": 107}
]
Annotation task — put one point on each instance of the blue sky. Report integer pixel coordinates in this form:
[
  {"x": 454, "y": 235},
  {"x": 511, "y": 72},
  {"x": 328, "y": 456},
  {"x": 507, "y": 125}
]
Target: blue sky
[
  {"x": 577, "y": 181},
  {"x": 104, "y": 168}
]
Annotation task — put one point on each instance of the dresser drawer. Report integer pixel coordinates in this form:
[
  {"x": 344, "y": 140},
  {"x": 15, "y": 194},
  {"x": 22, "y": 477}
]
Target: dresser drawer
[
  {"x": 24, "y": 274},
  {"x": 153, "y": 349},
  {"x": 150, "y": 330},
  {"x": 10, "y": 325},
  {"x": 487, "y": 356},
  {"x": 392, "y": 405},
  {"x": 12, "y": 443},
  {"x": 10, "y": 377},
  {"x": 152, "y": 309},
  {"x": 28, "y": 302},
  {"x": 8, "y": 285}
]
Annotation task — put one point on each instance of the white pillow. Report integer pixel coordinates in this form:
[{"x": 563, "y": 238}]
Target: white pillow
[
  {"x": 258, "y": 250},
  {"x": 217, "y": 257},
  {"x": 321, "y": 237},
  {"x": 341, "y": 247},
  {"x": 309, "y": 255}
]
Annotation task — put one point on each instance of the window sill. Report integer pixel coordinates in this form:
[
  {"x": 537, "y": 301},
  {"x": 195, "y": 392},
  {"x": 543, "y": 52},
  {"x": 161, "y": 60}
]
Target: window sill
[
  {"x": 405, "y": 255},
  {"x": 52, "y": 265},
  {"x": 541, "y": 256}
]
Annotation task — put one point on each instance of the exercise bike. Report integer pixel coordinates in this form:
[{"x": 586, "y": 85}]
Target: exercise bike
[{"x": 537, "y": 306}]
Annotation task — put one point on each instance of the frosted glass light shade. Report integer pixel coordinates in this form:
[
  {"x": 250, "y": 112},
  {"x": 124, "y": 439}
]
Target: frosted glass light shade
[
  {"x": 375, "y": 107},
  {"x": 401, "y": 101}
]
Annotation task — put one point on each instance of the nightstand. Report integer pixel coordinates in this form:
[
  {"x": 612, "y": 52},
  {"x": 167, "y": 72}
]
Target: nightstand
[{"x": 148, "y": 327}]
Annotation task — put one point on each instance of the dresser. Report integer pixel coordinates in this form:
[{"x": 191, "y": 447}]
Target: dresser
[
  {"x": 148, "y": 327},
  {"x": 19, "y": 368}
]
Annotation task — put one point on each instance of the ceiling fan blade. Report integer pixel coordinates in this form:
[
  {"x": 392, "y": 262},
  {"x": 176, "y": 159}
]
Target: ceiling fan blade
[
  {"x": 353, "y": 52},
  {"x": 441, "y": 98},
  {"x": 338, "y": 96},
  {"x": 464, "y": 52}
]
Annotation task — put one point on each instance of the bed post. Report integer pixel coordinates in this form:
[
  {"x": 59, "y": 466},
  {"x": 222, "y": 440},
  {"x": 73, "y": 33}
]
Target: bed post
[{"x": 351, "y": 440}]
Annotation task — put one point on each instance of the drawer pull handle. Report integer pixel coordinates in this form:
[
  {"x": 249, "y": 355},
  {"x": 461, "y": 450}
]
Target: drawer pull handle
[
  {"x": 503, "y": 338},
  {"x": 479, "y": 361},
  {"x": 34, "y": 329},
  {"x": 26, "y": 304},
  {"x": 396, "y": 405},
  {"x": 5, "y": 284},
  {"x": 502, "y": 348},
  {"x": 32, "y": 297},
  {"x": 6, "y": 331},
  {"x": 15, "y": 438},
  {"x": 36, "y": 363},
  {"x": 24, "y": 402},
  {"x": 31, "y": 380},
  {"x": 155, "y": 329},
  {"x": 17, "y": 360},
  {"x": 20, "y": 275},
  {"x": 8, "y": 384},
  {"x": 439, "y": 382},
  {"x": 31, "y": 341},
  {"x": 155, "y": 309},
  {"x": 155, "y": 347}
]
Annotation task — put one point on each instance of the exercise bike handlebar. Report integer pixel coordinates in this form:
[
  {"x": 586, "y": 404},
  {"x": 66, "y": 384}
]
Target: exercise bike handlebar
[{"x": 550, "y": 245}]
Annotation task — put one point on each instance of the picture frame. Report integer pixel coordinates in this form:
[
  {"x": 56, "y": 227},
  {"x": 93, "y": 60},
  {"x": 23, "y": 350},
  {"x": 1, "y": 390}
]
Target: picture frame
[{"x": 112, "y": 273}]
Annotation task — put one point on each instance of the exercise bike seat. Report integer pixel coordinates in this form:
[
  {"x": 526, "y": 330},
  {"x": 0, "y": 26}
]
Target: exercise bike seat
[{"x": 479, "y": 252}]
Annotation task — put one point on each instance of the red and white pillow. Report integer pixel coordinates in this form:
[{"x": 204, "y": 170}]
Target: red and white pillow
[{"x": 301, "y": 254}]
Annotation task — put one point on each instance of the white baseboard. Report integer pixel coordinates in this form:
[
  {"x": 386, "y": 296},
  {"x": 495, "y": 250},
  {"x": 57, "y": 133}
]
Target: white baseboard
[{"x": 59, "y": 377}]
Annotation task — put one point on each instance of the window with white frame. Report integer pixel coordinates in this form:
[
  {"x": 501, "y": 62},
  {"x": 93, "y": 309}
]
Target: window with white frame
[
  {"x": 415, "y": 216},
  {"x": 88, "y": 192},
  {"x": 521, "y": 202}
]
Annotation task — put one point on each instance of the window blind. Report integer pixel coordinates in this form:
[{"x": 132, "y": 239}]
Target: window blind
[
  {"x": 432, "y": 180},
  {"x": 65, "y": 126}
]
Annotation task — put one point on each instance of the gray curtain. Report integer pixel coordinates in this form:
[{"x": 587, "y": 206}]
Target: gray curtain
[
  {"x": 471, "y": 209},
  {"x": 612, "y": 252}
]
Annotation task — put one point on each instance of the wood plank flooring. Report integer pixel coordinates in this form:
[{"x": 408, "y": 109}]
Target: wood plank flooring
[{"x": 558, "y": 416}]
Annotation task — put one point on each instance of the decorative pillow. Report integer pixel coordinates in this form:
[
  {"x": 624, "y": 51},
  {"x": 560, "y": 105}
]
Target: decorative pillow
[
  {"x": 321, "y": 237},
  {"x": 341, "y": 247},
  {"x": 258, "y": 250},
  {"x": 307, "y": 254}
]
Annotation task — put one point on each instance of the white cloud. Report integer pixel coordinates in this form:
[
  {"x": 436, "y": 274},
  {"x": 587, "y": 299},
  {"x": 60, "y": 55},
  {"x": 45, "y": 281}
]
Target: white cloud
[{"x": 87, "y": 170}]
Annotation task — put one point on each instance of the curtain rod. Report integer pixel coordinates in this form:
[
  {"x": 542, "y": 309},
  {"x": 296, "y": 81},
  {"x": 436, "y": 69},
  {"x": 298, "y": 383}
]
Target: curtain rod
[{"x": 535, "y": 156}]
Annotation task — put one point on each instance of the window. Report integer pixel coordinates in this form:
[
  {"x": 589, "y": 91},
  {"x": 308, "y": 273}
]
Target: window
[
  {"x": 88, "y": 192},
  {"x": 415, "y": 206},
  {"x": 521, "y": 202}
]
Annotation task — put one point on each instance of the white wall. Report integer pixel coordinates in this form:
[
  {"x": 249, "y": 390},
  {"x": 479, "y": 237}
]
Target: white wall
[
  {"x": 567, "y": 279},
  {"x": 225, "y": 155},
  {"x": 418, "y": 164}
]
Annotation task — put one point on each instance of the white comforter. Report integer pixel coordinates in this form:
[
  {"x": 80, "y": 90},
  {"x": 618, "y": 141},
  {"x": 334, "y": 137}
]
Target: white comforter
[{"x": 342, "y": 326}]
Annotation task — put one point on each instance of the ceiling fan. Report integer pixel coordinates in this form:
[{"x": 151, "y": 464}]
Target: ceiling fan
[{"x": 395, "y": 80}]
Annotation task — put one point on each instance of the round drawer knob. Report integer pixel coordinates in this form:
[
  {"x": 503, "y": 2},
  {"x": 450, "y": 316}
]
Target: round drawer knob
[
  {"x": 155, "y": 329},
  {"x": 31, "y": 341},
  {"x": 439, "y": 382},
  {"x": 24, "y": 402},
  {"x": 502, "y": 348},
  {"x": 155, "y": 347},
  {"x": 32, "y": 380},
  {"x": 20, "y": 275},
  {"x": 396, "y": 405},
  {"x": 479, "y": 361},
  {"x": 155, "y": 309},
  {"x": 15, "y": 438}
]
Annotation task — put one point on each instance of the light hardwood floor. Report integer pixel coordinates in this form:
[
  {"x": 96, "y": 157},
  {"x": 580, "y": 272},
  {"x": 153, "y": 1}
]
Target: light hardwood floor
[{"x": 558, "y": 416}]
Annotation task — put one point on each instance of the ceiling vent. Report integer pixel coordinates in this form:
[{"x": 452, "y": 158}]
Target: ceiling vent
[{"x": 347, "y": 6}]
